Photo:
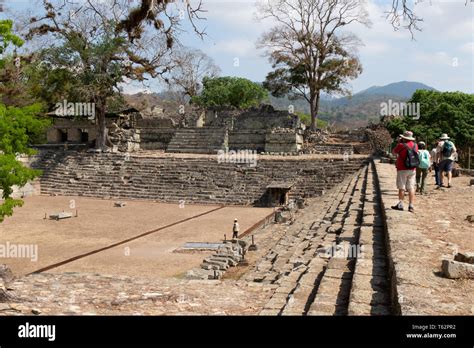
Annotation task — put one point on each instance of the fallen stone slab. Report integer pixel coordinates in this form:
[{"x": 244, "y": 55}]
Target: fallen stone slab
[
  {"x": 467, "y": 257},
  {"x": 456, "y": 270},
  {"x": 60, "y": 216}
]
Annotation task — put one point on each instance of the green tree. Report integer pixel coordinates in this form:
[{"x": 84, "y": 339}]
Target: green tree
[
  {"x": 440, "y": 112},
  {"x": 230, "y": 91},
  {"x": 17, "y": 127}
]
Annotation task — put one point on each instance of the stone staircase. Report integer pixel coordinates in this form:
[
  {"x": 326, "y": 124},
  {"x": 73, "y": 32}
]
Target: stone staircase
[
  {"x": 198, "y": 140},
  {"x": 317, "y": 265},
  {"x": 192, "y": 179}
]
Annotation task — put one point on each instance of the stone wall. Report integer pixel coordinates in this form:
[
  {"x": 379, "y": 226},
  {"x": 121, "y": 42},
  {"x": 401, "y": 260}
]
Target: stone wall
[
  {"x": 156, "y": 138},
  {"x": 283, "y": 140},
  {"x": 247, "y": 140},
  {"x": 171, "y": 179},
  {"x": 266, "y": 118}
]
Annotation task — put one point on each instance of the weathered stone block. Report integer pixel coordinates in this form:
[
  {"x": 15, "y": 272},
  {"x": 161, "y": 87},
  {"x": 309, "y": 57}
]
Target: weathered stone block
[{"x": 454, "y": 269}]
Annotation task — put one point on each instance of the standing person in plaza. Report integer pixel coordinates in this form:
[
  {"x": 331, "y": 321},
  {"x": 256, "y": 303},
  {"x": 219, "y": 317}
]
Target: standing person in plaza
[
  {"x": 422, "y": 169},
  {"x": 235, "y": 229},
  {"x": 434, "y": 157},
  {"x": 446, "y": 153},
  {"x": 407, "y": 161}
]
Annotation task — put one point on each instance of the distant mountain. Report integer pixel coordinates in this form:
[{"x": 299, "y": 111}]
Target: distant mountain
[
  {"x": 359, "y": 109},
  {"x": 402, "y": 89}
]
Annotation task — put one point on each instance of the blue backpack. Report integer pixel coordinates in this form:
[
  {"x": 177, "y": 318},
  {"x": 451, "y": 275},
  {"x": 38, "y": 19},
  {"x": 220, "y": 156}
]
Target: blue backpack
[
  {"x": 447, "y": 149},
  {"x": 424, "y": 157}
]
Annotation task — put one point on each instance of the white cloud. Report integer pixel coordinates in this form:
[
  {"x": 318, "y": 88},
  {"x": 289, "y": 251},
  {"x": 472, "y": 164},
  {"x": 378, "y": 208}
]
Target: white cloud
[
  {"x": 238, "y": 47},
  {"x": 133, "y": 88},
  {"x": 240, "y": 15},
  {"x": 467, "y": 48},
  {"x": 434, "y": 58}
]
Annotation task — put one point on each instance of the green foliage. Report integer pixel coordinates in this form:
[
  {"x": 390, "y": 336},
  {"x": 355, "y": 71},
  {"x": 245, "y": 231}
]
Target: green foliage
[
  {"x": 306, "y": 119},
  {"x": 7, "y": 37},
  {"x": 17, "y": 127},
  {"x": 230, "y": 91},
  {"x": 440, "y": 112}
]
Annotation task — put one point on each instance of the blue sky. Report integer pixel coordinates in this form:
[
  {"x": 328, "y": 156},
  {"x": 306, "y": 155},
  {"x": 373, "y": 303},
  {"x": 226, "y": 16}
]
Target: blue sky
[{"x": 442, "y": 55}]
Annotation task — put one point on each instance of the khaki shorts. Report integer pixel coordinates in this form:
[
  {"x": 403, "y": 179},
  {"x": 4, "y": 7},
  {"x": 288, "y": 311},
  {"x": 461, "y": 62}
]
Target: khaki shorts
[{"x": 406, "y": 180}]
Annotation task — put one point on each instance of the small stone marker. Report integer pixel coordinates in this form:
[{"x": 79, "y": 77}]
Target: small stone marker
[
  {"x": 119, "y": 204},
  {"x": 253, "y": 246},
  {"x": 60, "y": 216},
  {"x": 454, "y": 269}
]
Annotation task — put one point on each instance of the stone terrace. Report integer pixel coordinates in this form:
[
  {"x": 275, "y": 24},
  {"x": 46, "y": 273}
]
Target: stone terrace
[
  {"x": 418, "y": 242},
  {"x": 195, "y": 179}
]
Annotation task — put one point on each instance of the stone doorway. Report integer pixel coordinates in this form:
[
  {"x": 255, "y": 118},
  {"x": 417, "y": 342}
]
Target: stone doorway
[{"x": 277, "y": 194}]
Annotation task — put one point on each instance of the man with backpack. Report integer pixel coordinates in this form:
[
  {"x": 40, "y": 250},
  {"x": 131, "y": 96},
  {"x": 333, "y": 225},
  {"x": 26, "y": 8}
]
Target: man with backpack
[
  {"x": 445, "y": 157},
  {"x": 407, "y": 162},
  {"x": 422, "y": 169}
]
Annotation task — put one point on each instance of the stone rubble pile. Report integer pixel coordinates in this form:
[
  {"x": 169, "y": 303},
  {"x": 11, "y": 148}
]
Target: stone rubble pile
[{"x": 231, "y": 254}]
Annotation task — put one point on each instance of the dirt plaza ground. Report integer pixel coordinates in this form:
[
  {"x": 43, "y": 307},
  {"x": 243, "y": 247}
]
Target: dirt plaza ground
[{"x": 99, "y": 224}]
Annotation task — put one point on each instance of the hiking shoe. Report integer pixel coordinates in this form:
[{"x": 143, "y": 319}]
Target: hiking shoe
[
  {"x": 411, "y": 209},
  {"x": 397, "y": 207},
  {"x": 449, "y": 186}
]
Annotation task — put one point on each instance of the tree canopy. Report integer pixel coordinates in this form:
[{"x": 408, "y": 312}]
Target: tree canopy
[
  {"x": 17, "y": 127},
  {"x": 230, "y": 91},
  {"x": 440, "y": 112}
]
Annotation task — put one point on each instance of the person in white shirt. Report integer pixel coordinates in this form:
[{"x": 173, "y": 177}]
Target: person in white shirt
[
  {"x": 235, "y": 229},
  {"x": 445, "y": 155}
]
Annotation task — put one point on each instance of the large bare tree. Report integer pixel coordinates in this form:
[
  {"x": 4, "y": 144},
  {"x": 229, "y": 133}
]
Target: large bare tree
[
  {"x": 100, "y": 43},
  {"x": 402, "y": 14},
  {"x": 308, "y": 48},
  {"x": 190, "y": 67}
]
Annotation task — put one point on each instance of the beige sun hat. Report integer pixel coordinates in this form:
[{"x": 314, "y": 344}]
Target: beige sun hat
[
  {"x": 444, "y": 136},
  {"x": 407, "y": 135}
]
